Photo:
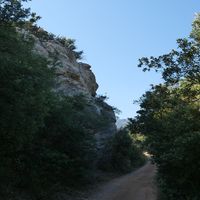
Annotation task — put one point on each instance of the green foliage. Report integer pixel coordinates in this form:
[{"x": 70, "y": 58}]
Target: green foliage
[
  {"x": 101, "y": 100},
  {"x": 64, "y": 151},
  {"x": 70, "y": 44},
  {"x": 12, "y": 12},
  {"x": 25, "y": 92},
  {"x": 45, "y": 141},
  {"x": 121, "y": 154},
  {"x": 177, "y": 65},
  {"x": 170, "y": 119},
  {"x": 196, "y": 28},
  {"x": 41, "y": 33},
  {"x": 171, "y": 124}
]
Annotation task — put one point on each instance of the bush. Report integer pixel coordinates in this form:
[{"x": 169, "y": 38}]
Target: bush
[
  {"x": 170, "y": 120},
  {"x": 45, "y": 141},
  {"x": 26, "y": 91},
  {"x": 63, "y": 153},
  {"x": 121, "y": 154},
  {"x": 178, "y": 173}
]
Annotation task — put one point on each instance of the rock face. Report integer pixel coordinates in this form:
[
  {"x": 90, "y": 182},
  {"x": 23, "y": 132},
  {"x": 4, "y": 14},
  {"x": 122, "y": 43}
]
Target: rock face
[
  {"x": 106, "y": 132},
  {"x": 72, "y": 77},
  {"x": 75, "y": 78}
]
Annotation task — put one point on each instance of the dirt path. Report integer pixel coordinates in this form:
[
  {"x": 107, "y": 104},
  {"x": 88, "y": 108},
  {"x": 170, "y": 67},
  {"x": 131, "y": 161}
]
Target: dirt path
[{"x": 138, "y": 185}]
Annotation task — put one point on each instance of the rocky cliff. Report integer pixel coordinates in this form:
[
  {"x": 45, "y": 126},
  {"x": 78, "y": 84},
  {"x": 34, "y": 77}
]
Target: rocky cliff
[{"x": 73, "y": 78}]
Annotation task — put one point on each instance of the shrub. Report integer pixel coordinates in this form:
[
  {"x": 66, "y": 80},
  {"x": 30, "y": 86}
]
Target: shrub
[
  {"x": 63, "y": 153},
  {"x": 25, "y": 90},
  {"x": 70, "y": 45},
  {"x": 121, "y": 154},
  {"x": 44, "y": 139}
]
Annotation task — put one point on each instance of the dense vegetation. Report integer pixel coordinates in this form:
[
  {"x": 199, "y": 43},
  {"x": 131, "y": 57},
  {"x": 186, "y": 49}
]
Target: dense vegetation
[
  {"x": 46, "y": 139},
  {"x": 40, "y": 145},
  {"x": 121, "y": 154},
  {"x": 170, "y": 118}
]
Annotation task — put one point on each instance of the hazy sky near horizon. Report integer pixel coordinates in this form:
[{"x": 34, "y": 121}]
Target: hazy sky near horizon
[{"x": 114, "y": 34}]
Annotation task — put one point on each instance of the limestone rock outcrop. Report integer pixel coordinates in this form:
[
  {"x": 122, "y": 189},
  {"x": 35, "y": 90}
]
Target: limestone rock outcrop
[
  {"x": 75, "y": 78},
  {"x": 72, "y": 77}
]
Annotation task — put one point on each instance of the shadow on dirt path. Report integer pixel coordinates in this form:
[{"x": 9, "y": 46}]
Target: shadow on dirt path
[{"x": 138, "y": 185}]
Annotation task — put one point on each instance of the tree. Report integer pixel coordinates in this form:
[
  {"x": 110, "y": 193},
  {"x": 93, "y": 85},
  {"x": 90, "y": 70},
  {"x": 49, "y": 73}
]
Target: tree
[
  {"x": 170, "y": 118},
  {"x": 67, "y": 143},
  {"x": 121, "y": 154},
  {"x": 12, "y": 11},
  {"x": 195, "y": 34},
  {"x": 183, "y": 63},
  {"x": 26, "y": 91}
]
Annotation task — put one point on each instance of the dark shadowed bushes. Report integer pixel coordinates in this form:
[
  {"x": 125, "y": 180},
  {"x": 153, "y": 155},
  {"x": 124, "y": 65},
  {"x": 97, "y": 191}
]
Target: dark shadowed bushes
[
  {"x": 44, "y": 138},
  {"x": 121, "y": 154}
]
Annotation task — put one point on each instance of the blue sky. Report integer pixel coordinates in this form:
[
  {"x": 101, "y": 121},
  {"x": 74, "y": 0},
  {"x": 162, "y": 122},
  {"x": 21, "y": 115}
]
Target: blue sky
[{"x": 114, "y": 34}]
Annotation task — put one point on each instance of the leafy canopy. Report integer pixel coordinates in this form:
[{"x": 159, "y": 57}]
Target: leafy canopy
[
  {"x": 169, "y": 117},
  {"x": 12, "y": 11}
]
